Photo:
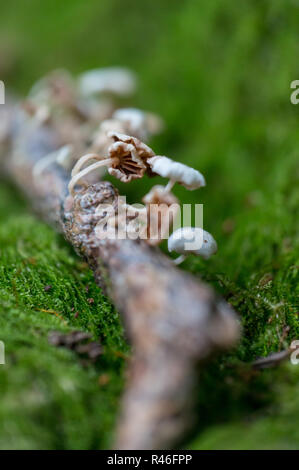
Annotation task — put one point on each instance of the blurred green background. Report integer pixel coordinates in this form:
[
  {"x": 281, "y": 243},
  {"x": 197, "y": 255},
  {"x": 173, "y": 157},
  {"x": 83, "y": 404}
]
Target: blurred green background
[{"x": 219, "y": 73}]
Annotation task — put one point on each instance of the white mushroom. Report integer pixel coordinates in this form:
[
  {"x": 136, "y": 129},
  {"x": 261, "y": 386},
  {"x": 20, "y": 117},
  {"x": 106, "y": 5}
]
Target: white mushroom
[
  {"x": 133, "y": 116},
  {"x": 115, "y": 80},
  {"x": 187, "y": 240},
  {"x": 58, "y": 87},
  {"x": 126, "y": 161},
  {"x": 176, "y": 172},
  {"x": 139, "y": 123},
  {"x": 129, "y": 121},
  {"x": 101, "y": 141}
]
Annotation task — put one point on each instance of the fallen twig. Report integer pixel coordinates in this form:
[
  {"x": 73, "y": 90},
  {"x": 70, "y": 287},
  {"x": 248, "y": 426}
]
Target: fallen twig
[{"x": 173, "y": 319}]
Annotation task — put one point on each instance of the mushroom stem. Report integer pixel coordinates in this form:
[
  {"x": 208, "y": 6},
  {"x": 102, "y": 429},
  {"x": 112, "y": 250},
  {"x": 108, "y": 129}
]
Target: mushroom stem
[
  {"x": 83, "y": 160},
  {"x": 169, "y": 186},
  {"x": 179, "y": 259},
  {"x": 75, "y": 179}
]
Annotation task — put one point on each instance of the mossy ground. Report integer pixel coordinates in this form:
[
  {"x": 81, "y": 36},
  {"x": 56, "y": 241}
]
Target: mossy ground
[{"x": 219, "y": 73}]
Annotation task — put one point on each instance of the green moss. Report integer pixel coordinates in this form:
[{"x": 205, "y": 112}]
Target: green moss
[
  {"x": 271, "y": 427},
  {"x": 48, "y": 398},
  {"x": 219, "y": 73}
]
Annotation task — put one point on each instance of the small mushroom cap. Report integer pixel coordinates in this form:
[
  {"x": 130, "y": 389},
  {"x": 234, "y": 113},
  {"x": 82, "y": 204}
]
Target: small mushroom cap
[
  {"x": 141, "y": 124},
  {"x": 111, "y": 125},
  {"x": 101, "y": 141},
  {"x": 144, "y": 151},
  {"x": 158, "y": 195},
  {"x": 58, "y": 84},
  {"x": 133, "y": 122},
  {"x": 175, "y": 171},
  {"x": 195, "y": 240},
  {"x": 116, "y": 80},
  {"x": 129, "y": 155},
  {"x": 135, "y": 117}
]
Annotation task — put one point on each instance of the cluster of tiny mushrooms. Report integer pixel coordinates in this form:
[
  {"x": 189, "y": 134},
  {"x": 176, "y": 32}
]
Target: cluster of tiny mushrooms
[{"x": 118, "y": 146}]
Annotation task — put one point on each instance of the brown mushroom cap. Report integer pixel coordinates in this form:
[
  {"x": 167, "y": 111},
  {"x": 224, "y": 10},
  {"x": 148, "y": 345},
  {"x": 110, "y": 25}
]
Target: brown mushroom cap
[{"x": 129, "y": 157}]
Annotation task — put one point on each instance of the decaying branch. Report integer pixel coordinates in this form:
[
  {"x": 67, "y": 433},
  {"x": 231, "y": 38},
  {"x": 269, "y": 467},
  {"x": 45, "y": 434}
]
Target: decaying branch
[{"x": 173, "y": 319}]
